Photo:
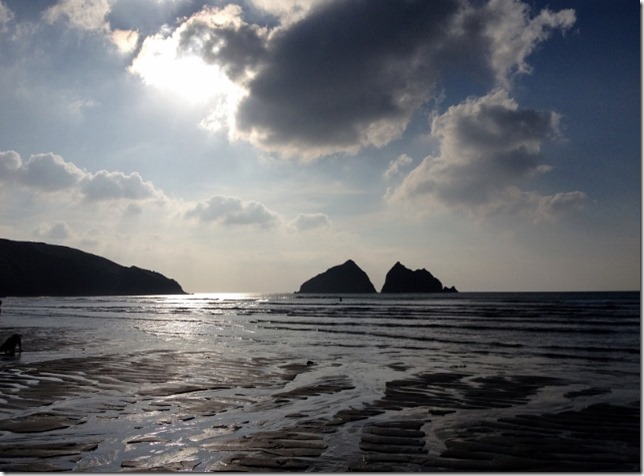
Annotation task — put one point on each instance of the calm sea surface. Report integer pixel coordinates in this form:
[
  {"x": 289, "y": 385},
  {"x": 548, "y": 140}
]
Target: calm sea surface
[
  {"x": 592, "y": 340},
  {"x": 597, "y": 333},
  {"x": 593, "y": 337}
]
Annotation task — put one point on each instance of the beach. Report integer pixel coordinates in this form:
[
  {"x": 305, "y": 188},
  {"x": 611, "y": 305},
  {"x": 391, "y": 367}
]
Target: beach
[{"x": 277, "y": 383}]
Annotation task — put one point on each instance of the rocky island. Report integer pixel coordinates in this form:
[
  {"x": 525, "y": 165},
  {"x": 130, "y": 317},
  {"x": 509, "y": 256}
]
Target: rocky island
[
  {"x": 40, "y": 269},
  {"x": 401, "y": 279},
  {"x": 349, "y": 278},
  {"x": 344, "y": 278}
]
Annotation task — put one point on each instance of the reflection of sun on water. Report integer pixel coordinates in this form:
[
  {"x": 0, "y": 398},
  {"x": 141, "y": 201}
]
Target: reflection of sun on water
[
  {"x": 204, "y": 318},
  {"x": 197, "y": 299}
]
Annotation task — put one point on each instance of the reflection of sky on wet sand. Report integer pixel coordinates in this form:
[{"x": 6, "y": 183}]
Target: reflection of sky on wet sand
[{"x": 175, "y": 381}]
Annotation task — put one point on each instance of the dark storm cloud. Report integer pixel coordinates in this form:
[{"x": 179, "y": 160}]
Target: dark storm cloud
[
  {"x": 353, "y": 73},
  {"x": 348, "y": 75},
  {"x": 220, "y": 36}
]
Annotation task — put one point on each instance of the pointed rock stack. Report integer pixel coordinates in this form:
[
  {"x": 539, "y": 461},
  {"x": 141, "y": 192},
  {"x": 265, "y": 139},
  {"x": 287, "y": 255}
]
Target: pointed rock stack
[{"x": 344, "y": 278}]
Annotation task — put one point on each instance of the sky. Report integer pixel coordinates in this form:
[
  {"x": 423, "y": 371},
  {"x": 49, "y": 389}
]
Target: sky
[{"x": 246, "y": 146}]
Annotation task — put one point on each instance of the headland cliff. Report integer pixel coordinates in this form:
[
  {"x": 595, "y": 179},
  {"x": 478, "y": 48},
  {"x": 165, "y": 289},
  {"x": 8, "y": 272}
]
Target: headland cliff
[{"x": 40, "y": 269}]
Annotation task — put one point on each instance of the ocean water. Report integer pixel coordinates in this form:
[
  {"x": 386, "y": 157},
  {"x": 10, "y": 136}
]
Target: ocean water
[{"x": 80, "y": 355}]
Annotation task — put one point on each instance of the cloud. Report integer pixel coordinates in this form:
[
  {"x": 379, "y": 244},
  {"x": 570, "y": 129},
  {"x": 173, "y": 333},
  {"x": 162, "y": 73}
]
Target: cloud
[
  {"x": 82, "y": 14},
  {"x": 532, "y": 206},
  {"x": 233, "y": 211},
  {"x": 48, "y": 173},
  {"x": 328, "y": 84},
  {"x": 288, "y": 11},
  {"x": 164, "y": 61},
  {"x": 133, "y": 209},
  {"x": 514, "y": 35},
  {"x": 117, "y": 185},
  {"x": 57, "y": 232},
  {"x": 221, "y": 36},
  {"x": 551, "y": 206},
  {"x": 10, "y": 162},
  {"x": 396, "y": 165},
  {"x": 311, "y": 221},
  {"x": 91, "y": 16},
  {"x": 125, "y": 40},
  {"x": 488, "y": 147},
  {"x": 6, "y": 15}
]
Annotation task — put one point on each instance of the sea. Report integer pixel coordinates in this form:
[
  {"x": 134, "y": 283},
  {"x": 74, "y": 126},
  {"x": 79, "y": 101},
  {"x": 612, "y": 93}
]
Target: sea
[{"x": 131, "y": 375}]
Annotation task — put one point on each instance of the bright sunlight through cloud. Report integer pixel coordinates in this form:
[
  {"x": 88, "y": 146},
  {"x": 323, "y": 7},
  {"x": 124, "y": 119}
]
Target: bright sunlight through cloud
[{"x": 160, "y": 65}]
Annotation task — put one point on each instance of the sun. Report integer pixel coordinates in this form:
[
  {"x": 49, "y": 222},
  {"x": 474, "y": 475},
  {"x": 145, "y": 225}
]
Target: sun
[
  {"x": 160, "y": 64},
  {"x": 193, "y": 80}
]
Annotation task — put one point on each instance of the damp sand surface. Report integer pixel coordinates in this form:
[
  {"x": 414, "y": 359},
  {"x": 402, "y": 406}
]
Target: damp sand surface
[{"x": 286, "y": 383}]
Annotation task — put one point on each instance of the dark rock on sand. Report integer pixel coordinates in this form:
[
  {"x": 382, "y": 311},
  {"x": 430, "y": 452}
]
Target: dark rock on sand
[
  {"x": 344, "y": 278},
  {"x": 40, "y": 269},
  {"x": 401, "y": 279}
]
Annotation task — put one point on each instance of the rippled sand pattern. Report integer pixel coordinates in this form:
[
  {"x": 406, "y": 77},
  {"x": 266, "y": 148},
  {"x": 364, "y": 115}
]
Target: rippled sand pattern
[
  {"x": 432, "y": 421},
  {"x": 254, "y": 406}
]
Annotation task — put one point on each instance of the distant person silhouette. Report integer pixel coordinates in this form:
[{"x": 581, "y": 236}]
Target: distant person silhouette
[{"x": 9, "y": 346}]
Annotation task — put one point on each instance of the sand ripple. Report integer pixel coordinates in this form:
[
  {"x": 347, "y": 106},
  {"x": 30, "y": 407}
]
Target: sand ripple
[{"x": 172, "y": 411}]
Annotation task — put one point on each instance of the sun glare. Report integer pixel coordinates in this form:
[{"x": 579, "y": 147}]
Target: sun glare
[
  {"x": 194, "y": 80},
  {"x": 186, "y": 76}
]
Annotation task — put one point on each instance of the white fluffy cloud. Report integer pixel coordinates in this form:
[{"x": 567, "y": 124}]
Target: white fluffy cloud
[
  {"x": 125, "y": 40},
  {"x": 233, "y": 211},
  {"x": 311, "y": 221},
  {"x": 10, "y": 162},
  {"x": 395, "y": 166},
  {"x": 47, "y": 173},
  {"x": 42, "y": 172},
  {"x": 514, "y": 35},
  {"x": 105, "y": 185},
  {"x": 91, "y": 16},
  {"x": 489, "y": 146},
  {"x": 50, "y": 172},
  {"x": 83, "y": 14}
]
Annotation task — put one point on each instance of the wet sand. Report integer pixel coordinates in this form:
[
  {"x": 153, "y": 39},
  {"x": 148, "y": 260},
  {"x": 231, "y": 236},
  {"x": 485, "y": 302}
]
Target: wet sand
[{"x": 160, "y": 410}]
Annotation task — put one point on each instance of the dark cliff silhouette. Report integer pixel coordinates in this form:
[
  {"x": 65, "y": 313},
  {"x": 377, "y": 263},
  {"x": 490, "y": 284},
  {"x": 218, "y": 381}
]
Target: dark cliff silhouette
[
  {"x": 401, "y": 279},
  {"x": 39, "y": 269},
  {"x": 344, "y": 278}
]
